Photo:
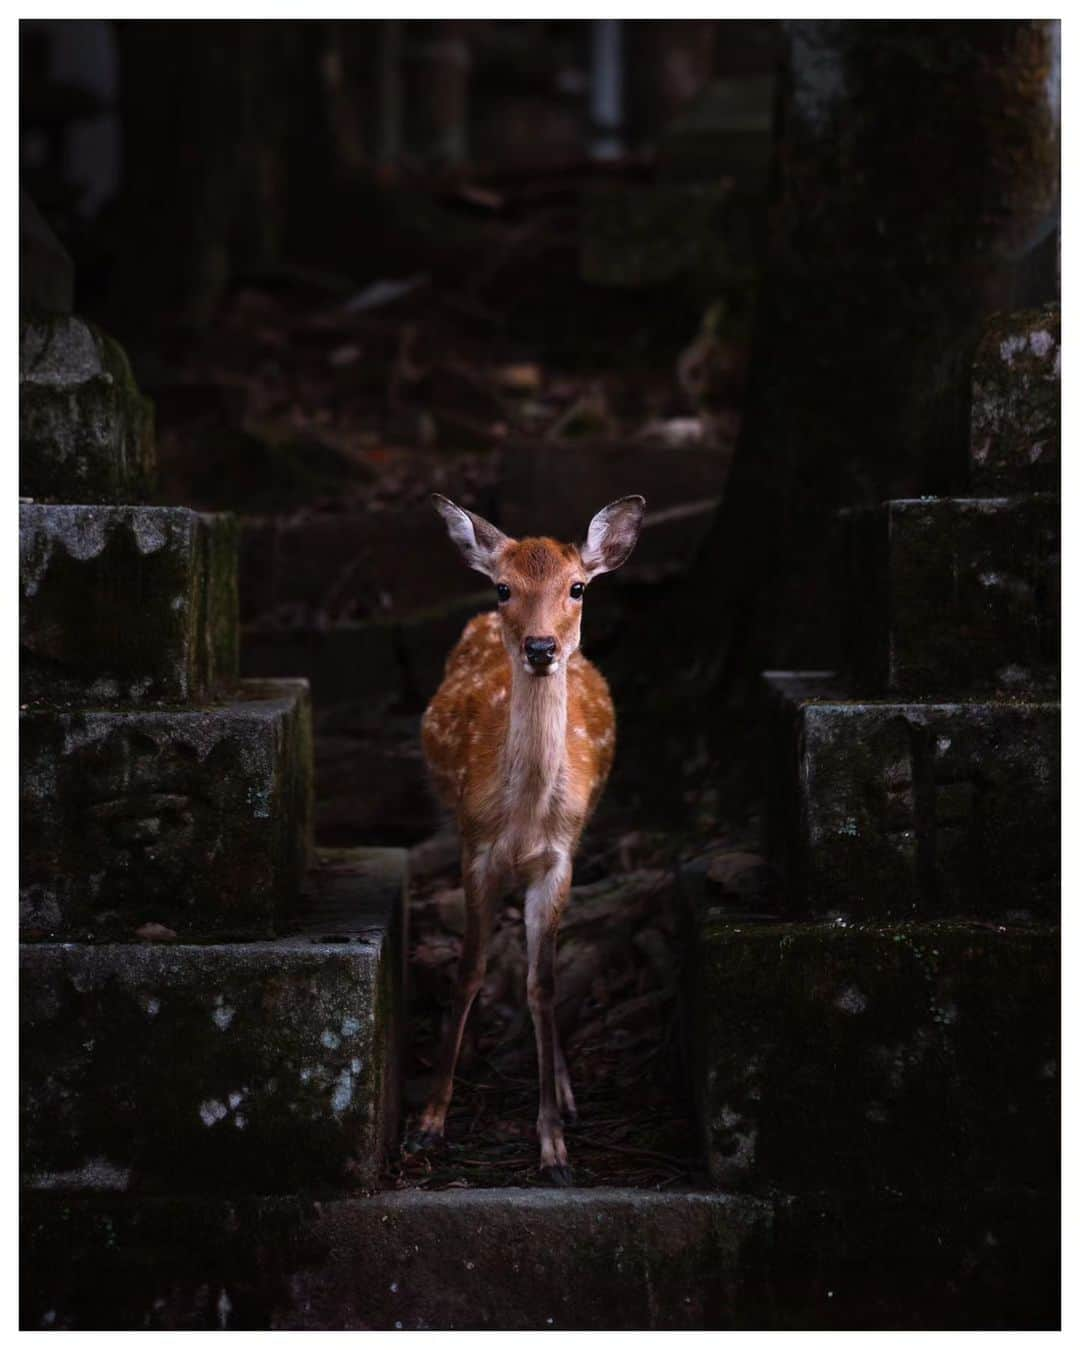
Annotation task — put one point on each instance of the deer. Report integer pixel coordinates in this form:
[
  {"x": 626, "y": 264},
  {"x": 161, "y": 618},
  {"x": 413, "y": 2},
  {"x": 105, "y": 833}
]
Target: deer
[{"x": 519, "y": 740}]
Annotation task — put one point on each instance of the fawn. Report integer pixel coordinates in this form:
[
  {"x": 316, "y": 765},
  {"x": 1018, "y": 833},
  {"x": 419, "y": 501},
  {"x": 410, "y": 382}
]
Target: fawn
[{"x": 519, "y": 741}]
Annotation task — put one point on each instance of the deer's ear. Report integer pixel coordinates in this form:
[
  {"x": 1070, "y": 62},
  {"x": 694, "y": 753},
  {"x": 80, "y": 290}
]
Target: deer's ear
[
  {"x": 479, "y": 541},
  {"x": 613, "y": 532}
]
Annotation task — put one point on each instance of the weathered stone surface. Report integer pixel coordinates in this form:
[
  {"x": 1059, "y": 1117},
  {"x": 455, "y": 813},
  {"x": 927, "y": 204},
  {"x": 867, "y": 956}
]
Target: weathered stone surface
[
  {"x": 46, "y": 272},
  {"x": 906, "y": 809},
  {"x": 125, "y": 604},
  {"x": 247, "y": 1067},
  {"x": 860, "y": 1058},
  {"x": 955, "y": 595},
  {"x": 1016, "y": 404},
  {"x": 195, "y": 818},
  {"x": 645, "y": 235},
  {"x": 535, "y": 1260},
  {"x": 86, "y": 434}
]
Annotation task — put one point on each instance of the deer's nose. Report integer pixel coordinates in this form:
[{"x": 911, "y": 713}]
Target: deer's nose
[{"x": 539, "y": 651}]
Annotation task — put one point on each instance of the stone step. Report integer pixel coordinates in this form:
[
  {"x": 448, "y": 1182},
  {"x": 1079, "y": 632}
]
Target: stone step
[
  {"x": 554, "y": 488},
  {"x": 240, "y": 1068},
  {"x": 539, "y": 1260},
  {"x": 197, "y": 818},
  {"x": 725, "y": 134},
  {"x": 866, "y": 1058},
  {"x": 125, "y": 604},
  {"x": 86, "y": 434},
  {"x": 1016, "y": 404},
  {"x": 955, "y": 595},
  {"x": 320, "y": 572},
  {"x": 904, "y": 809}
]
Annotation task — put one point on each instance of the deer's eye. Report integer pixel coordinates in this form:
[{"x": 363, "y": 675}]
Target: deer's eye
[
  {"x": 577, "y": 590},
  {"x": 502, "y": 590}
]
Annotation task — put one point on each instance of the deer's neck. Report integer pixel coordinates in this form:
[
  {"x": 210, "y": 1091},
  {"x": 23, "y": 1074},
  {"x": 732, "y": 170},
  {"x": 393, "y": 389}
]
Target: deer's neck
[{"x": 535, "y": 755}]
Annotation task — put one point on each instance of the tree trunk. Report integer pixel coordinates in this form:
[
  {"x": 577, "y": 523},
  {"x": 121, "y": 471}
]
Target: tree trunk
[{"x": 915, "y": 190}]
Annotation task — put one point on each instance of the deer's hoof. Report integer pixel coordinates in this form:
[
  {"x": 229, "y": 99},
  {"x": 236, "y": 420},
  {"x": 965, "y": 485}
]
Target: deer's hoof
[
  {"x": 557, "y": 1176},
  {"x": 569, "y": 1115},
  {"x": 422, "y": 1141}
]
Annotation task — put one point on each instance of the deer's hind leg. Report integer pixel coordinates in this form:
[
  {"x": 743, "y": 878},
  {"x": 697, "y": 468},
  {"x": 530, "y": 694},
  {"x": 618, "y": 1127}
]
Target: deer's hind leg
[{"x": 481, "y": 892}]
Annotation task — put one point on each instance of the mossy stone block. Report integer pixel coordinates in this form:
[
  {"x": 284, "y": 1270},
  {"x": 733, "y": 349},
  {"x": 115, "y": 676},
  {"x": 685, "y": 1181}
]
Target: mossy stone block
[
  {"x": 862, "y": 1058},
  {"x": 957, "y": 595},
  {"x": 197, "y": 819},
  {"x": 239, "y": 1067},
  {"x": 906, "y": 809},
  {"x": 125, "y": 604},
  {"x": 1016, "y": 404},
  {"x": 86, "y": 434}
]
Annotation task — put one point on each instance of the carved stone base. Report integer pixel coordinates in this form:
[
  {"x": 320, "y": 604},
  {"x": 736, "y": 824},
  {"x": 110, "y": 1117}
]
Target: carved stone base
[
  {"x": 913, "y": 810},
  {"x": 85, "y": 431},
  {"x": 125, "y": 604},
  {"x": 198, "y": 819},
  {"x": 247, "y": 1067}
]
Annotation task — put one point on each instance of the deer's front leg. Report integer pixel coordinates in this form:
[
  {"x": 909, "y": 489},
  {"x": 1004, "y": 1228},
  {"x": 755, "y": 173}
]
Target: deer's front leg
[
  {"x": 480, "y": 895},
  {"x": 545, "y": 899}
]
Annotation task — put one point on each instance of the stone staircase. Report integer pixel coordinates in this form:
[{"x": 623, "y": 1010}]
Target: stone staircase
[
  {"x": 211, "y": 1014},
  {"x": 207, "y": 1006},
  {"x": 892, "y": 1043}
]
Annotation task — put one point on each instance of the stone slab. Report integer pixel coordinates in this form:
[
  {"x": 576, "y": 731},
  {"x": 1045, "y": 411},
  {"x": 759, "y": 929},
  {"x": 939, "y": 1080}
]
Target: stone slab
[
  {"x": 1016, "y": 404},
  {"x": 956, "y": 595},
  {"x": 909, "y": 809},
  {"x": 869, "y": 1058},
  {"x": 46, "y": 272},
  {"x": 539, "y": 1260},
  {"x": 86, "y": 434},
  {"x": 198, "y": 819},
  {"x": 125, "y": 604},
  {"x": 245, "y": 1067}
]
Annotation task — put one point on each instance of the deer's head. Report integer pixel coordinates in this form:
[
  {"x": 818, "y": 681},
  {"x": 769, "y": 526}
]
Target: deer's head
[{"x": 539, "y": 583}]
